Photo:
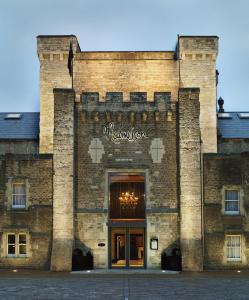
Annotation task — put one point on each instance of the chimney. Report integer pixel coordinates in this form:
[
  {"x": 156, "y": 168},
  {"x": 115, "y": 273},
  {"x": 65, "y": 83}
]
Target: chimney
[{"x": 221, "y": 103}]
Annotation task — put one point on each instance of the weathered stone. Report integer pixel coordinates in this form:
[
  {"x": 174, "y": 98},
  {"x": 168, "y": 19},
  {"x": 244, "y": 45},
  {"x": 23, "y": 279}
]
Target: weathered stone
[
  {"x": 63, "y": 180},
  {"x": 190, "y": 179}
]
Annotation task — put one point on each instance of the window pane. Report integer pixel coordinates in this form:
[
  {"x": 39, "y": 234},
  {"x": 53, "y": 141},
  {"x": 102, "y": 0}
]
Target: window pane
[
  {"x": 19, "y": 200},
  {"x": 11, "y": 239},
  {"x": 22, "y": 238},
  {"x": 233, "y": 247},
  {"x": 18, "y": 188},
  {"x": 231, "y": 195},
  {"x": 232, "y": 206},
  {"x": 22, "y": 249},
  {"x": 11, "y": 249}
]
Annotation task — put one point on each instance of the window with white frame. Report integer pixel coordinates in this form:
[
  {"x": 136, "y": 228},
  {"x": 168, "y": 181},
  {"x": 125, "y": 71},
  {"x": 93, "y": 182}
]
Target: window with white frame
[
  {"x": 232, "y": 201},
  {"x": 18, "y": 195},
  {"x": 16, "y": 244},
  {"x": 233, "y": 247}
]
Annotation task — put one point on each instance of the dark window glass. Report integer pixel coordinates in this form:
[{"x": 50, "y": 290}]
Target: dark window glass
[
  {"x": 11, "y": 239},
  {"x": 127, "y": 196}
]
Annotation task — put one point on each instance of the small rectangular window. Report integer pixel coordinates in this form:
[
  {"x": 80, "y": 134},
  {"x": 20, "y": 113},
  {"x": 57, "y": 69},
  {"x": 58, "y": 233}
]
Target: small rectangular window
[
  {"x": 16, "y": 244},
  {"x": 232, "y": 205},
  {"x": 11, "y": 247},
  {"x": 22, "y": 244},
  {"x": 18, "y": 195},
  {"x": 233, "y": 247}
]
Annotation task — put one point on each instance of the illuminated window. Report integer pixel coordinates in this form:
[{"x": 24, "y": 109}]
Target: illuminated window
[
  {"x": 127, "y": 196},
  {"x": 233, "y": 247},
  {"x": 18, "y": 195}
]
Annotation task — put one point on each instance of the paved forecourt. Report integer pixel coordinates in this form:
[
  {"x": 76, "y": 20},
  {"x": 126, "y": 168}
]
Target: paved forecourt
[{"x": 48, "y": 285}]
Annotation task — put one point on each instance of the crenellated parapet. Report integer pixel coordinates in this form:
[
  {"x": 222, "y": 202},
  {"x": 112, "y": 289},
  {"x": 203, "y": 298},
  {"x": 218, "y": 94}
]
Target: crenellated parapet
[{"x": 115, "y": 109}]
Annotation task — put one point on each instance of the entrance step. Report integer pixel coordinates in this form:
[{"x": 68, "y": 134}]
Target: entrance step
[{"x": 127, "y": 272}]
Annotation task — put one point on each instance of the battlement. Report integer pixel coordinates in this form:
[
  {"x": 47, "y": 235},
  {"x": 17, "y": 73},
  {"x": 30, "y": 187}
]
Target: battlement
[
  {"x": 127, "y": 74},
  {"x": 56, "y": 47},
  {"x": 198, "y": 47}
]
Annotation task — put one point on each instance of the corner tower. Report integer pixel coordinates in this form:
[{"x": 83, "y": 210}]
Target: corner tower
[
  {"x": 55, "y": 54},
  {"x": 197, "y": 67}
]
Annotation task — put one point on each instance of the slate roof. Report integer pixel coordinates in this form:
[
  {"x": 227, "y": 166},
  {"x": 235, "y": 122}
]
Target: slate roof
[
  {"x": 24, "y": 128},
  {"x": 234, "y": 125}
]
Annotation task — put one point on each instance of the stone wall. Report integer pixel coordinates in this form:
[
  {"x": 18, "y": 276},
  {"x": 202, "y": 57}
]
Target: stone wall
[
  {"x": 55, "y": 54},
  {"x": 19, "y": 147},
  {"x": 158, "y": 120},
  {"x": 190, "y": 179},
  {"x": 230, "y": 146},
  {"x": 36, "y": 220},
  {"x": 225, "y": 170},
  {"x": 63, "y": 180},
  {"x": 197, "y": 56},
  {"x": 65, "y": 66},
  {"x": 126, "y": 72}
]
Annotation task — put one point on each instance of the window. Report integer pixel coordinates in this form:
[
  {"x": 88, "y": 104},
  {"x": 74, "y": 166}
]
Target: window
[
  {"x": 18, "y": 195},
  {"x": 127, "y": 196},
  {"x": 232, "y": 203},
  {"x": 233, "y": 247},
  {"x": 16, "y": 244}
]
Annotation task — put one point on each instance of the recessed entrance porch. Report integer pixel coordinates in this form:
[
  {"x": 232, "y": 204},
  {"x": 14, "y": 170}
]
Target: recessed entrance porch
[
  {"x": 127, "y": 247},
  {"x": 127, "y": 220}
]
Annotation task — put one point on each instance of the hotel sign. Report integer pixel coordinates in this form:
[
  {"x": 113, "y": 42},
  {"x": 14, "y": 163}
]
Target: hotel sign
[{"x": 120, "y": 134}]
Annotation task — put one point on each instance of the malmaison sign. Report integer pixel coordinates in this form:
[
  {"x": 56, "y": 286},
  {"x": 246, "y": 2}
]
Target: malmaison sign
[{"x": 120, "y": 134}]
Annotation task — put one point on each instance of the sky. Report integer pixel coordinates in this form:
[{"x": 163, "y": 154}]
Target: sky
[{"x": 120, "y": 25}]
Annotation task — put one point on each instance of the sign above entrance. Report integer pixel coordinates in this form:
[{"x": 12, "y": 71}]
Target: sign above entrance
[{"x": 121, "y": 134}]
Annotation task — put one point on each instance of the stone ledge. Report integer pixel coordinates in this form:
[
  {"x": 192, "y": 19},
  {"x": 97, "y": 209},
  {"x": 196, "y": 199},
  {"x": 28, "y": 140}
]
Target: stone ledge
[{"x": 63, "y": 90}]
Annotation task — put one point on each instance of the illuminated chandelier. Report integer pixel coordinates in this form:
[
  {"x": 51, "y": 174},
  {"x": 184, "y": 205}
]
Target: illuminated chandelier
[{"x": 128, "y": 200}]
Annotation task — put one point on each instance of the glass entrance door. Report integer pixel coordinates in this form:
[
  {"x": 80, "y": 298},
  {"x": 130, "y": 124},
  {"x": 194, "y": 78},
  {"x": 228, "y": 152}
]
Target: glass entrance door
[
  {"x": 127, "y": 247},
  {"x": 136, "y": 247}
]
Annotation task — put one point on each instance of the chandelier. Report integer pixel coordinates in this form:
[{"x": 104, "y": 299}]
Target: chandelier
[{"x": 128, "y": 200}]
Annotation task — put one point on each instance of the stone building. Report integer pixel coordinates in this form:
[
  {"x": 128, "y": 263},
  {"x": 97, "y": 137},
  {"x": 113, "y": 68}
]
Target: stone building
[{"x": 128, "y": 159}]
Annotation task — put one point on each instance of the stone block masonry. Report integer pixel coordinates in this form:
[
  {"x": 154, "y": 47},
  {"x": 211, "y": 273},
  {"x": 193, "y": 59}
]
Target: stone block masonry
[
  {"x": 197, "y": 60},
  {"x": 63, "y": 180},
  {"x": 222, "y": 171},
  {"x": 190, "y": 179},
  {"x": 54, "y": 55},
  {"x": 150, "y": 72},
  {"x": 36, "y": 219}
]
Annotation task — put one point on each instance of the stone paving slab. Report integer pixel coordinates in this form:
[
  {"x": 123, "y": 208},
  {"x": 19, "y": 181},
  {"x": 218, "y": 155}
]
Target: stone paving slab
[{"x": 26, "y": 284}]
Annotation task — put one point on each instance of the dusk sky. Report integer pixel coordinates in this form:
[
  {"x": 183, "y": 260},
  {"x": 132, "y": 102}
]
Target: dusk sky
[{"x": 120, "y": 25}]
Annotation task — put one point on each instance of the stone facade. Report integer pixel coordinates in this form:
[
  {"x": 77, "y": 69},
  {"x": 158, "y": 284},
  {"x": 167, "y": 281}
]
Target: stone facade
[
  {"x": 145, "y": 114},
  {"x": 63, "y": 171},
  {"x": 191, "y": 65},
  {"x": 55, "y": 72},
  {"x": 190, "y": 179},
  {"x": 36, "y": 219},
  {"x": 91, "y": 186},
  {"x": 197, "y": 59},
  {"x": 221, "y": 171}
]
